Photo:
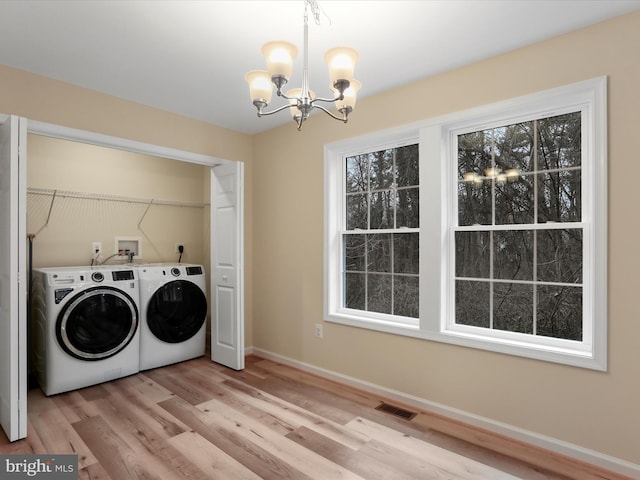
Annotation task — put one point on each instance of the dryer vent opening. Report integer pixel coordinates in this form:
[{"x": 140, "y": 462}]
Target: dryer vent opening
[{"x": 395, "y": 410}]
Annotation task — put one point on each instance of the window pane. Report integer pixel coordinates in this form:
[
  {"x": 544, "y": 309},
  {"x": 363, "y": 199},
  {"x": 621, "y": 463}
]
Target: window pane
[
  {"x": 357, "y": 212},
  {"x": 560, "y": 255},
  {"x": 472, "y": 303},
  {"x": 407, "y": 166},
  {"x": 408, "y": 208},
  {"x": 381, "y": 170},
  {"x": 513, "y": 307},
  {"x": 559, "y": 141},
  {"x": 354, "y": 253},
  {"x": 381, "y": 210},
  {"x": 560, "y": 312},
  {"x": 379, "y": 293},
  {"x": 514, "y": 147},
  {"x": 382, "y": 192},
  {"x": 406, "y": 295},
  {"x": 355, "y": 290},
  {"x": 474, "y": 203},
  {"x": 559, "y": 196},
  {"x": 513, "y": 255},
  {"x": 357, "y": 175},
  {"x": 472, "y": 254},
  {"x": 474, "y": 153},
  {"x": 379, "y": 253},
  {"x": 405, "y": 252},
  {"x": 514, "y": 201}
]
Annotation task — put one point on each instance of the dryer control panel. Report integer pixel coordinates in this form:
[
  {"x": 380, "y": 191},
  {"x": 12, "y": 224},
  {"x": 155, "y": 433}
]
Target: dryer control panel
[
  {"x": 122, "y": 275},
  {"x": 197, "y": 270}
]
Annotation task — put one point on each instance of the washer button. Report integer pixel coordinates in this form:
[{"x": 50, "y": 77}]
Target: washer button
[
  {"x": 175, "y": 272},
  {"x": 97, "y": 277}
]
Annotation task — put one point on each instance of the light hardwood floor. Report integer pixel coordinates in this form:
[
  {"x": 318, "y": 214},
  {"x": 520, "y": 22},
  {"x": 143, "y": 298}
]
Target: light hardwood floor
[{"x": 198, "y": 420}]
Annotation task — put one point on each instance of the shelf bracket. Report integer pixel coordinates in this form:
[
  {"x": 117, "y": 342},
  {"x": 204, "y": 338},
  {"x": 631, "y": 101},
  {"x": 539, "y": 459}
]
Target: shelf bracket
[
  {"x": 46, "y": 223},
  {"x": 145, "y": 214}
]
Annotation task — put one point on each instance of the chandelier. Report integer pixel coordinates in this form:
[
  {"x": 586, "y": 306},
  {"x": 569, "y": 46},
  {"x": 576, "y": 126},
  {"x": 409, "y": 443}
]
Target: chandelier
[{"x": 279, "y": 56}]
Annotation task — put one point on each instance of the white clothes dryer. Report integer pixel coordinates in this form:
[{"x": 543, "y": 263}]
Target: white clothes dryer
[
  {"x": 173, "y": 303},
  {"x": 85, "y": 326}
]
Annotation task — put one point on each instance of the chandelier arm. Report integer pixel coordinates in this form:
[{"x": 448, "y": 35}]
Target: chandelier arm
[
  {"x": 283, "y": 95},
  {"x": 342, "y": 119},
  {"x": 279, "y": 109},
  {"x": 328, "y": 100}
]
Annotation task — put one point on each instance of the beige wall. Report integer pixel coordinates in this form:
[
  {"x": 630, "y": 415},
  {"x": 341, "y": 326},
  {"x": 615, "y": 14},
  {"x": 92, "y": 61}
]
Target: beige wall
[
  {"x": 46, "y": 100},
  {"x": 595, "y": 410},
  {"x": 75, "y": 221},
  {"x": 283, "y": 249}
]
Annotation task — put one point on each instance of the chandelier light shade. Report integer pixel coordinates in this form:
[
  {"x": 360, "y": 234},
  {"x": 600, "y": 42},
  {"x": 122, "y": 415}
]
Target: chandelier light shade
[
  {"x": 260, "y": 87},
  {"x": 341, "y": 62},
  {"x": 279, "y": 56}
]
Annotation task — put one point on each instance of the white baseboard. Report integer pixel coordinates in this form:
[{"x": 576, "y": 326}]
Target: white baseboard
[{"x": 549, "y": 443}]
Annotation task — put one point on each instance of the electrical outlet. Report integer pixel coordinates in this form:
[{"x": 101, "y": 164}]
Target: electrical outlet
[
  {"x": 318, "y": 331},
  {"x": 178, "y": 245},
  {"x": 96, "y": 248}
]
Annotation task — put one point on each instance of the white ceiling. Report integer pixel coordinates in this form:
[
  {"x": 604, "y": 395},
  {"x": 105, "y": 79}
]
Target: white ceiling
[{"x": 190, "y": 57}]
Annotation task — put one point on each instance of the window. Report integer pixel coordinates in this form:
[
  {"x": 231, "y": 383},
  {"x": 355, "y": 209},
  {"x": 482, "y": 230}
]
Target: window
[
  {"x": 380, "y": 241},
  {"x": 508, "y": 212},
  {"x": 519, "y": 235}
]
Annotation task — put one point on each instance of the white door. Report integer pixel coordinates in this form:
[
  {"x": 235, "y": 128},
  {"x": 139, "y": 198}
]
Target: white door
[
  {"x": 13, "y": 297},
  {"x": 227, "y": 264}
]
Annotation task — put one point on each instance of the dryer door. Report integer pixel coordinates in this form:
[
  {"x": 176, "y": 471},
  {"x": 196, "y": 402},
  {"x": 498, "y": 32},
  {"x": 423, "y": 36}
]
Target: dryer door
[
  {"x": 176, "y": 311},
  {"x": 97, "y": 323}
]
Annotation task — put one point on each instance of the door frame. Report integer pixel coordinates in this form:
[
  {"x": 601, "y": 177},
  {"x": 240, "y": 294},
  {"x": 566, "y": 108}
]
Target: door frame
[
  {"x": 13, "y": 401},
  {"x": 118, "y": 143}
]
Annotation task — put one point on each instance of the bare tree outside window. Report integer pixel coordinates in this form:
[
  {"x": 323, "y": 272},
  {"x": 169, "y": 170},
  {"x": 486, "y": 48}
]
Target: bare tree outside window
[
  {"x": 381, "y": 240},
  {"x": 518, "y": 244}
]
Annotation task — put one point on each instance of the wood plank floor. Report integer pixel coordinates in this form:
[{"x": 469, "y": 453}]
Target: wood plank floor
[{"x": 198, "y": 420}]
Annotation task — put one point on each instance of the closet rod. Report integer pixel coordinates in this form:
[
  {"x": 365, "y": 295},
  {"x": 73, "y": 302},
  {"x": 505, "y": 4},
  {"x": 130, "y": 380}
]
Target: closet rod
[{"x": 112, "y": 198}]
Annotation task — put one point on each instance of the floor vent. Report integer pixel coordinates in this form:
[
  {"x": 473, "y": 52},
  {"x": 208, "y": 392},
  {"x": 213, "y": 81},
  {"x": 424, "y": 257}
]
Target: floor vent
[{"x": 397, "y": 411}]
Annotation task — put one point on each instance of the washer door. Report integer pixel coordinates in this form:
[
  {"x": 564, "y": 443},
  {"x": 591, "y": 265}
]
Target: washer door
[
  {"x": 176, "y": 311},
  {"x": 97, "y": 323}
]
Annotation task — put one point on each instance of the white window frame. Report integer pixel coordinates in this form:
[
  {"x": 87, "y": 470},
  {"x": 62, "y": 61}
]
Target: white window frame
[
  {"x": 335, "y": 195},
  {"x": 438, "y": 213}
]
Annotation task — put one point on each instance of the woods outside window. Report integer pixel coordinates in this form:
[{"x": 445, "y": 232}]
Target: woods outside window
[
  {"x": 519, "y": 238},
  {"x": 506, "y": 205},
  {"x": 381, "y": 236}
]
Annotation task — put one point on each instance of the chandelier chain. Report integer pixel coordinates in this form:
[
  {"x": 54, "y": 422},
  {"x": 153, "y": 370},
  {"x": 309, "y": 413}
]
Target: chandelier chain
[{"x": 316, "y": 10}]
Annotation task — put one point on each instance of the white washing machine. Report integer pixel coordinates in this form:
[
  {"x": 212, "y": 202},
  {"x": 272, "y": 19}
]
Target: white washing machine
[
  {"x": 85, "y": 326},
  {"x": 173, "y": 307}
]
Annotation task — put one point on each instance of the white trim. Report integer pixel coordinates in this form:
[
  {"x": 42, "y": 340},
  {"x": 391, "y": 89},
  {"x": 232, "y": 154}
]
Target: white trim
[
  {"x": 561, "y": 447},
  {"x": 589, "y": 97},
  {"x": 436, "y": 180},
  {"x": 98, "y": 139},
  {"x": 507, "y": 107},
  {"x": 334, "y": 194}
]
